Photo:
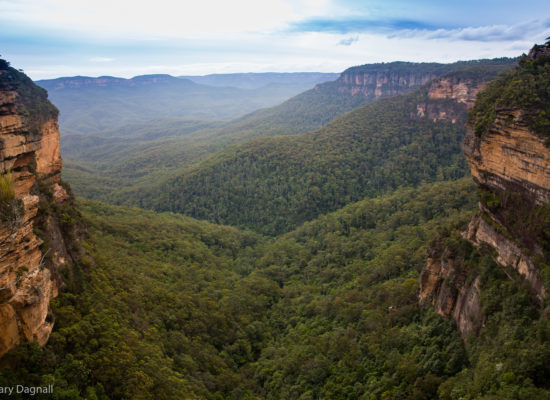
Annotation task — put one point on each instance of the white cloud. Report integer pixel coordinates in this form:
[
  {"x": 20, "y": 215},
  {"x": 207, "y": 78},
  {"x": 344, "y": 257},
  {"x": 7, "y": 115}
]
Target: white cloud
[
  {"x": 160, "y": 18},
  {"x": 79, "y": 37},
  {"x": 526, "y": 30},
  {"x": 101, "y": 59}
]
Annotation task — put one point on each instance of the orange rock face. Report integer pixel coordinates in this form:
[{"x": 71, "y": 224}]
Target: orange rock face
[
  {"x": 26, "y": 283},
  {"x": 449, "y": 87},
  {"x": 463, "y": 91},
  {"x": 443, "y": 283},
  {"x": 510, "y": 154},
  {"x": 508, "y": 159},
  {"x": 375, "y": 85}
]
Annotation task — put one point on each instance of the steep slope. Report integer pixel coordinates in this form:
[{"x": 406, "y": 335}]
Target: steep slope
[
  {"x": 273, "y": 184},
  {"x": 507, "y": 150},
  {"x": 355, "y": 86},
  {"x": 37, "y": 245}
]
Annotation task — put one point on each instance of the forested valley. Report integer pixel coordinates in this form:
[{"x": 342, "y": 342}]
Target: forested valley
[{"x": 285, "y": 263}]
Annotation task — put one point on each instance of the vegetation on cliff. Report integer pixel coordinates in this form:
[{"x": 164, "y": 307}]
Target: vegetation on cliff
[
  {"x": 526, "y": 87},
  {"x": 10, "y": 207},
  {"x": 32, "y": 101},
  {"x": 7, "y": 191}
]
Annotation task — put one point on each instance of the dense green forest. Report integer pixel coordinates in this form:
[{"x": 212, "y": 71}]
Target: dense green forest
[
  {"x": 271, "y": 185},
  {"x": 177, "y": 308},
  {"x": 119, "y": 162},
  {"x": 318, "y": 299}
]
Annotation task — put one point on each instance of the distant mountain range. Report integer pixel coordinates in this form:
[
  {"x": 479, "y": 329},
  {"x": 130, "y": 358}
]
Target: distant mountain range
[
  {"x": 92, "y": 105},
  {"x": 121, "y": 164}
]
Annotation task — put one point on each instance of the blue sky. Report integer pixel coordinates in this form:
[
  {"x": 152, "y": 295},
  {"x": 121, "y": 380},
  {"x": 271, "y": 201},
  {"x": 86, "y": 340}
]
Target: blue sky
[{"x": 52, "y": 38}]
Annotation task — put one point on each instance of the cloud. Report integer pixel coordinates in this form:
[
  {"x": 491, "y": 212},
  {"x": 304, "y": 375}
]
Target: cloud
[
  {"x": 523, "y": 31},
  {"x": 101, "y": 59},
  {"x": 349, "y": 41},
  {"x": 164, "y": 18},
  {"x": 399, "y": 28},
  {"x": 358, "y": 25}
]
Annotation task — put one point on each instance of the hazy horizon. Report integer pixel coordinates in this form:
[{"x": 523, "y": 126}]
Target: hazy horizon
[{"x": 59, "y": 38}]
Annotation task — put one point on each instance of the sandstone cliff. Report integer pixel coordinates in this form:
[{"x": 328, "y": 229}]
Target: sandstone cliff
[
  {"x": 506, "y": 147},
  {"x": 375, "y": 81},
  {"x": 456, "y": 94},
  {"x": 33, "y": 244},
  {"x": 387, "y": 80}
]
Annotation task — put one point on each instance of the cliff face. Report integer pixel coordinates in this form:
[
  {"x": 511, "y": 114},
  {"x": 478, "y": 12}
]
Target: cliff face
[
  {"x": 444, "y": 283},
  {"x": 376, "y": 84},
  {"x": 510, "y": 157},
  {"x": 29, "y": 153},
  {"x": 460, "y": 81},
  {"x": 461, "y": 91},
  {"x": 510, "y": 163}
]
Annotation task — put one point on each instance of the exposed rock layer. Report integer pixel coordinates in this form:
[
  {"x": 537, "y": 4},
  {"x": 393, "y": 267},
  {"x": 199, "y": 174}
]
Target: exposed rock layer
[
  {"x": 375, "y": 85},
  {"x": 462, "y": 92},
  {"x": 29, "y": 151},
  {"x": 443, "y": 282},
  {"x": 459, "y": 89},
  {"x": 459, "y": 81},
  {"x": 510, "y": 156},
  {"x": 511, "y": 166}
]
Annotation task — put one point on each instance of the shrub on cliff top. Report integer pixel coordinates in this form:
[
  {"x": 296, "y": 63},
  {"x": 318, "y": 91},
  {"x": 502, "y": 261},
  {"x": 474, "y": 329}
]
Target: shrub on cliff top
[
  {"x": 33, "y": 104},
  {"x": 4, "y": 65},
  {"x": 527, "y": 87}
]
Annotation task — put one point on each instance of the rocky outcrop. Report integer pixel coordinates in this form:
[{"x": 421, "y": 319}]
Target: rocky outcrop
[
  {"x": 462, "y": 90},
  {"x": 510, "y": 157},
  {"x": 510, "y": 163},
  {"x": 482, "y": 231},
  {"x": 29, "y": 154},
  {"x": 441, "y": 111},
  {"x": 444, "y": 283},
  {"x": 459, "y": 81}
]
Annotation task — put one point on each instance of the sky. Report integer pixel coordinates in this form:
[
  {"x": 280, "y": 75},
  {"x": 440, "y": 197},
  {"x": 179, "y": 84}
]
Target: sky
[{"x": 54, "y": 38}]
